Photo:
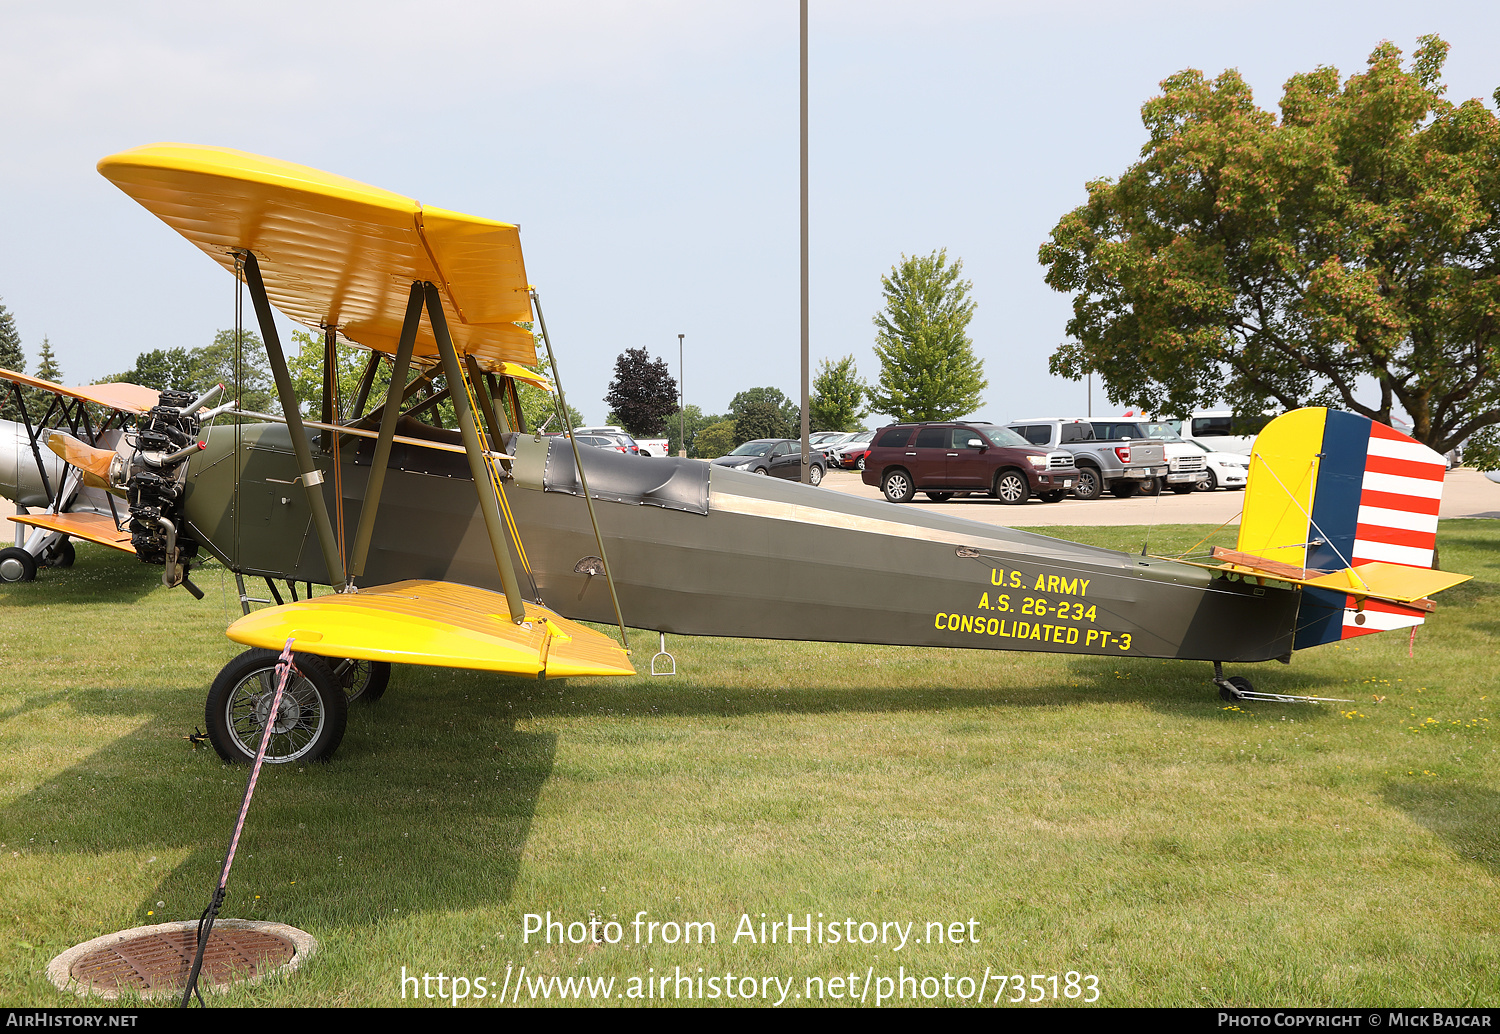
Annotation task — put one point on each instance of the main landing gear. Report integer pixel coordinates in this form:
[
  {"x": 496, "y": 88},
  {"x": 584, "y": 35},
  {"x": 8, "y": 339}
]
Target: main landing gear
[
  {"x": 1237, "y": 688},
  {"x": 314, "y": 711}
]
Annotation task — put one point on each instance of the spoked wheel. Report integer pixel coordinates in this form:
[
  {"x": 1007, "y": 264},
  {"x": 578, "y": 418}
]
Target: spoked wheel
[
  {"x": 815, "y": 475},
  {"x": 363, "y": 680},
  {"x": 308, "y": 725}
]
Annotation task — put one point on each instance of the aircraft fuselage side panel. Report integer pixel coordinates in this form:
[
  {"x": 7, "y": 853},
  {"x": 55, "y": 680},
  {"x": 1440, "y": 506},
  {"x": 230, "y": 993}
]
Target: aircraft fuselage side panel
[{"x": 767, "y": 560}]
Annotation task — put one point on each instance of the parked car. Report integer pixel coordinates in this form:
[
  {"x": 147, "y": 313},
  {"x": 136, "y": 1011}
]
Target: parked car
[
  {"x": 607, "y": 441},
  {"x": 776, "y": 457},
  {"x": 615, "y": 434},
  {"x": 1225, "y": 469},
  {"x": 850, "y": 454},
  {"x": 942, "y": 459},
  {"x": 1122, "y": 467}
]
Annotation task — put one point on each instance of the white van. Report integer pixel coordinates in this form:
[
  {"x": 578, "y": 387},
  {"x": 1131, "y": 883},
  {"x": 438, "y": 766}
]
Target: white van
[{"x": 1219, "y": 430}]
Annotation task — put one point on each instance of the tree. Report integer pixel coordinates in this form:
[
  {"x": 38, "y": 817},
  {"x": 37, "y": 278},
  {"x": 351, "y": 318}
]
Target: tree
[
  {"x": 763, "y": 413},
  {"x": 643, "y": 393},
  {"x": 13, "y": 358},
  {"x": 837, "y": 397},
  {"x": 716, "y": 439},
  {"x": 928, "y": 370},
  {"x": 305, "y": 364},
  {"x": 696, "y": 420},
  {"x": 198, "y": 369},
  {"x": 46, "y": 363},
  {"x": 1345, "y": 254}
]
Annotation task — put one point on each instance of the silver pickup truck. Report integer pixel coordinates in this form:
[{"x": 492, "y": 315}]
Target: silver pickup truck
[{"x": 1124, "y": 466}]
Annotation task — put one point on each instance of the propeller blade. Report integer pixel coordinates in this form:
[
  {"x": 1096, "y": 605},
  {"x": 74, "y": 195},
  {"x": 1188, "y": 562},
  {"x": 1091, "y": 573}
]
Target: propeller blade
[{"x": 85, "y": 457}]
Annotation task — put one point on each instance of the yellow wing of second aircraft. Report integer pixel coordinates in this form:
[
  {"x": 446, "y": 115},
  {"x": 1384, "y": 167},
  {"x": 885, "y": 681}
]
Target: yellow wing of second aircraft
[{"x": 335, "y": 252}]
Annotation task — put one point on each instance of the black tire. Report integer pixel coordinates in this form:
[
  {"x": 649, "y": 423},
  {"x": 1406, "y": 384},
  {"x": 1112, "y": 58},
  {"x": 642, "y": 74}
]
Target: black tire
[
  {"x": 308, "y": 727},
  {"x": 1123, "y": 489},
  {"x": 1183, "y": 489},
  {"x": 62, "y": 555},
  {"x": 1207, "y": 483},
  {"x": 897, "y": 486},
  {"x": 1238, "y": 685},
  {"x": 16, "y": 565},
  {"x": 1151, "y": 486},
  {"x": 363, "y": 680},
  {"x": 1089, "y": 485},
  {"x": 939, "y": 497},
  {"x": 762, "y": 470},
  {"x": 1053, "y": 497},
  {"x": 861, "y": 464},
  {"x": 1011, "y": 487},
  {"x": 815, "y": 475}
]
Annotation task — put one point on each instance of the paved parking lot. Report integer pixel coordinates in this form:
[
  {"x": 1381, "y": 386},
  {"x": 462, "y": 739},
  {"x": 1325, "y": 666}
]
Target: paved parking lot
[{"x": 1466, "y": 493}]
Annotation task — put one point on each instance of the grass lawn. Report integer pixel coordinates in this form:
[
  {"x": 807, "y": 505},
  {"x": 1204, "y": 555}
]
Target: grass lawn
[{"x": 1110, "y": 819}]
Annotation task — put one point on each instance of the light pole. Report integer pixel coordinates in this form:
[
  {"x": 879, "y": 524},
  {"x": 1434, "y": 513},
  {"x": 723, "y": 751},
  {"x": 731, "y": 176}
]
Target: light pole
[{"x": 681, "y": 403}]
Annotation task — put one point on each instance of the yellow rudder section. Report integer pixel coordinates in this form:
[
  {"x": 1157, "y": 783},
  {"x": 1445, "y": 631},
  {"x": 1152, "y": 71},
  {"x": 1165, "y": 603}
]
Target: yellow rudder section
[{"x": 1279, "y": 494}]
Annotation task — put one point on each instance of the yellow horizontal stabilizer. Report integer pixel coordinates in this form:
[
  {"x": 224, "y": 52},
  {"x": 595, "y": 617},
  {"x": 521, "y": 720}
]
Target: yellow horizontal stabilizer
[
  {"x": 91, "y": 527},
  {"x": 438, "y": 623},
  {"x": 126, "y": 397},
  {"x": 338, "y": 253},
  {"x": 1395, "y": 582}
]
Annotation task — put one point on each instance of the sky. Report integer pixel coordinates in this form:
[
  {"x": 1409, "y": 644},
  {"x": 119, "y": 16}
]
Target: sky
[{"x": 648, "y": 150}]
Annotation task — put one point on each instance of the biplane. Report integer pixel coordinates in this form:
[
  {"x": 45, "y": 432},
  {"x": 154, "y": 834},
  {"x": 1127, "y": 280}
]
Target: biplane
[
  {"x": 57, "y": 500},
  {"x": 485, "y": 546}
]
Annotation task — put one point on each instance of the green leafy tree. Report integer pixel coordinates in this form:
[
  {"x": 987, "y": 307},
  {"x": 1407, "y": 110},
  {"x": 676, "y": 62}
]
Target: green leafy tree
[
  {"x": 643, "y": 394},
  {"x": 305, "y": 364},
  {"x": 198, "y": 369},
  {"x": 928, "y": 369},
  {"x": 161, "y": 369},
  {"x": 695, "y": 420},
  {"x": 764, "y": 413},
  {"x": 716, "y": 440},
  {"x": 13, "y": 358},
  {"x": 1346, "y": 253},
  {"x": 837, "y": 397}
]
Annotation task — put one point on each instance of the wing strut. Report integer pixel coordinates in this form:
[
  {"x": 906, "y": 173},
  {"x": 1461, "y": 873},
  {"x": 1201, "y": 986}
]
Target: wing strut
[
  {"x": 562, "y": 406},
  {"x": 474, "y": 450},
  {"x": 312, "y": 477},
  {"x": 391, "y": 413}
]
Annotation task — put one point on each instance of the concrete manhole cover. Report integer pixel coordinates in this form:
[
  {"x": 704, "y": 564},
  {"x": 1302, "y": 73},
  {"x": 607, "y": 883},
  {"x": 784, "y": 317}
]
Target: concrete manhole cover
[{"x": 154, "y": 961}]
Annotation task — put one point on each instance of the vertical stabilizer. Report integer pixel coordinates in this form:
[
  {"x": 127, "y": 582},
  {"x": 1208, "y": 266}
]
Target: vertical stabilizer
[{"x": 1331, "y": 490}]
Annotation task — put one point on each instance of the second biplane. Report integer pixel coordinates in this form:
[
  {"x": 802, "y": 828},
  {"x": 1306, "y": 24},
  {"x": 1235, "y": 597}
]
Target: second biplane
[{"x": 1337, "y": 538}]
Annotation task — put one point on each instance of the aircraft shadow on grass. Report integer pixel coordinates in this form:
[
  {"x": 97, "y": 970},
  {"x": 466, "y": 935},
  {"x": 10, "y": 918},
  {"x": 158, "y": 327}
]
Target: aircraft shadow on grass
[
  {"x": 451, "y": 814},
  {"x": 454, "y": 794},
  {"x": 1463, "y": 814},
  {"x": 98, "y": 575}
]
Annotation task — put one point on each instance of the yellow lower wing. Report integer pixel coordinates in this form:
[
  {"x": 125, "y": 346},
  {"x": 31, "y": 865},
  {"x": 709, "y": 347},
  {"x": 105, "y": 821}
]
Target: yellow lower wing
[{"x": 437, "y": 623}]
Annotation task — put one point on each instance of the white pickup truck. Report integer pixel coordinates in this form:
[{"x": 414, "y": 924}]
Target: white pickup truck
[{"x": 1124, "y": 467}]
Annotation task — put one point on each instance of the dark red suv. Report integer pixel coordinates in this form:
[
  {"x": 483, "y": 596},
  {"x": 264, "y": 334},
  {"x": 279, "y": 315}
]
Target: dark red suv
[{"x": 944, "y": 459}]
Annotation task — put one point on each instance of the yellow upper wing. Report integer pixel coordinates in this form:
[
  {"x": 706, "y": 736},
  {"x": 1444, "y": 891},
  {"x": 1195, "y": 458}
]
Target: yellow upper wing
[{"x": 336, "y": 252}]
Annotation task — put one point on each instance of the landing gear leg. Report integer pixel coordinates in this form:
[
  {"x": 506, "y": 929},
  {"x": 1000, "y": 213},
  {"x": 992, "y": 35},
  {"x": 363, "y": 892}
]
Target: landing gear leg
[{"x": 1230, "y": 689}]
